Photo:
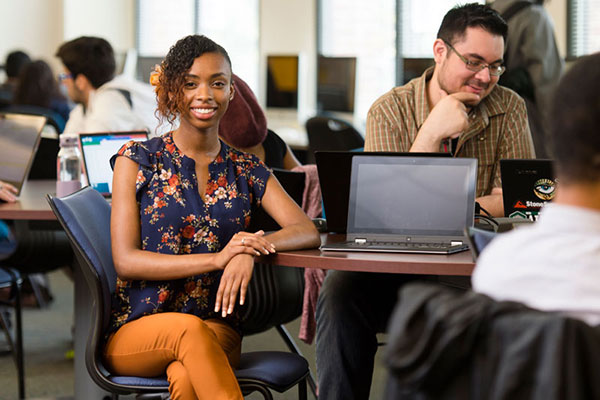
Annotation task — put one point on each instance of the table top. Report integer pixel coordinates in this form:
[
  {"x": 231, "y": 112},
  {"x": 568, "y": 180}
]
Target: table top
[
  {"x": 32, "y": 203},
  {"x": 458, "y": 264}
]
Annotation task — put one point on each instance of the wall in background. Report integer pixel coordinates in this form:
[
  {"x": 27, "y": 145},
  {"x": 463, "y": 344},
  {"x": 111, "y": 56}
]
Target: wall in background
[{"x": 286, "y": 27}]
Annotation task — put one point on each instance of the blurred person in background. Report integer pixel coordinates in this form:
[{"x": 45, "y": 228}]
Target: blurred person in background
[{"x": 15, "y": 61}]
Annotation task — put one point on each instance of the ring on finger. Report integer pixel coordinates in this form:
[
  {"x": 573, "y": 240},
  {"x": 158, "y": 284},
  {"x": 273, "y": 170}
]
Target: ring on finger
[{"x": 243, "y": 239}]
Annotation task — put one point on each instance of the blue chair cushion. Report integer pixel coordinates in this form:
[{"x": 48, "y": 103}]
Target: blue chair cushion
[
  {"x": 279, "y": 370},
  {"x": 6, "y": 279},
  {"x": 159, "y": 382}
]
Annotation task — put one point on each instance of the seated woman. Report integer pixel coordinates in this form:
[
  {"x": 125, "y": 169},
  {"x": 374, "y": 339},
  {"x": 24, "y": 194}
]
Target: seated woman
[
  {"x": 38, "y": 92},
  {"x": 181, "y": 203},
  {"x": 244, "y": 126}
]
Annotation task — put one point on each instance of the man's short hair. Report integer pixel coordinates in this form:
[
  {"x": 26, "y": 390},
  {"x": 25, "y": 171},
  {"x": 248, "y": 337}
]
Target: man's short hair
[
  {"x": 92, "y": 57},
  {"x": 15, "y": 61},
  {"x": 458, "y": 19},
  {"x": 574, "y": 122}
]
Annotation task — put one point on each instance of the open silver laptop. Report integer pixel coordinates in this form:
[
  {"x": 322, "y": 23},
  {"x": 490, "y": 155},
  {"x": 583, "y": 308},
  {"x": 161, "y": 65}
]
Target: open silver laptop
[
  {"x": 20, "y": 137},
  {"x": 97, "y": 149},
  {"x": 409, "y": 205}
]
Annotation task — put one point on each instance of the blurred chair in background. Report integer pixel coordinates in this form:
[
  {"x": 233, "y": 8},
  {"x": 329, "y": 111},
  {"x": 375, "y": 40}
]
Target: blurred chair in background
[{"x": 329, "y": 133}]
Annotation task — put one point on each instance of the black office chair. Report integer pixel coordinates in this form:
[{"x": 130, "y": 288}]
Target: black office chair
[
  {"x": 10, "y": 280},
  {"x": 54, "y": 119},
  {"x": 44, "y": 161},
  {"x": 329, "y": 133},
  {"x": 478, "y": 239},
  {"x": 449, "y": 344},
  {"x": 85, "y": 216},
  {"x": 275, "y": 294}
]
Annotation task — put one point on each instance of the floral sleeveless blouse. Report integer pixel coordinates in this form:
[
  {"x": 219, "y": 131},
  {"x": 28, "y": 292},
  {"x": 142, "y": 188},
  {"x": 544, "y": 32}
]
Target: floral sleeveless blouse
[{"x": 176, "y": 220}]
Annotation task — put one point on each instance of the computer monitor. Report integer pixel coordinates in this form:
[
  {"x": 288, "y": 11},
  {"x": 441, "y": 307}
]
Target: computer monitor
[
  {"x": 414, "y": 67},
  {"x": 336, "y": 80},
  {"x": 145, "y": 66},
  {"x": 282, "y": 81}
]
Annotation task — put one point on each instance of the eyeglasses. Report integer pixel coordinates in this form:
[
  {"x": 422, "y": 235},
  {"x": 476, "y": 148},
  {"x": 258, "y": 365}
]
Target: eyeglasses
[
  {"x": 63, "y": 76},
  {"x": 476, "y": 66}
]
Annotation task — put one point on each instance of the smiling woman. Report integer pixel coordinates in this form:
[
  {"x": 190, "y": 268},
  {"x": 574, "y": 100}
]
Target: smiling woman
[{"x": 184, "y": 263}]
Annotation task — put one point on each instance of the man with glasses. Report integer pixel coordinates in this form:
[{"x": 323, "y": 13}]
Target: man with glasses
[
  {"x": 453, "y": 107},
  {"x": 457, "y": 106},
  {"x": 89, "y": 72}
]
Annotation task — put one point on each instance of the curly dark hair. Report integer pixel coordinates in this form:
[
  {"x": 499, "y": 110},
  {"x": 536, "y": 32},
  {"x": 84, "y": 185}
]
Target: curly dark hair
[
  {"x": 574, "y": 120},
  {"x": 181, "y": 56},
  {"x": 459, "y": 18}
]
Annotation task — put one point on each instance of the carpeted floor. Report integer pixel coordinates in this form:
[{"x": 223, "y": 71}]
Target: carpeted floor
[{"x": 48, "y": 343}]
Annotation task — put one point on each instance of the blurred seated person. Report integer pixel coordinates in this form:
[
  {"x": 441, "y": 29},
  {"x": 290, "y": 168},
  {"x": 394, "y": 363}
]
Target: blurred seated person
[
  {"x": 38, "y": 92},
  {"x": 15, "y": 61},
  {"x": 554, "y": 264},
  {"x": 89, "y": 68},
  {"x": 32, "y": 251},
  {"x": 244, "y": 126}
]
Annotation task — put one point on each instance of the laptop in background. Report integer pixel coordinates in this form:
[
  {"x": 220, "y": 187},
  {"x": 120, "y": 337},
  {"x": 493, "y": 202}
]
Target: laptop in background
[
  {"x": 20, "y": 136},
  {"x": 334, "y": 169},
  {"x": 409, "y": 204},
  {"x": 527, "y": 185},
  {"x": 97, "y": 149}
]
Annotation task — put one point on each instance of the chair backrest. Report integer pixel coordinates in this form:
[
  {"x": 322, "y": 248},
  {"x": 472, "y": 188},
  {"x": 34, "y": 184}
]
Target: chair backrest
[
  {"x": 274, "y": 294},
  {"x": 44, "y": 162},
  {"x": 328, "y": 133},
  {"x": 53, "y": 118},
  {"x": 293, "y": 183},
  {"x": 85, "y": 217},
  {"x": 478, "y": 239}
]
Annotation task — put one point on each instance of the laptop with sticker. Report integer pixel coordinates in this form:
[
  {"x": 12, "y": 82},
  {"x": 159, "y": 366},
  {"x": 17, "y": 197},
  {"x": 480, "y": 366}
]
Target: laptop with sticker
[
  {"x": 334, "y": 169},
  {"x": 20, "y": 135},
  {"x": 527, "y": 185},
  {"x": 97, "y": 149},
  {"x": 409, "y": 204}
]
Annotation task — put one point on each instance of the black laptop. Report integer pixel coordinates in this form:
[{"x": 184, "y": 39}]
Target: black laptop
[
  {"x": 334, "y": 169},
  {"x": 527, "y": 185},
  {"x": 409, "y": 204}
]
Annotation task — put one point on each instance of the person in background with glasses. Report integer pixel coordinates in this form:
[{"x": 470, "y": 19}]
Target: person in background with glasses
[
  {"x": 89, "y": 72},
  {"x": 456, "y": 106}
]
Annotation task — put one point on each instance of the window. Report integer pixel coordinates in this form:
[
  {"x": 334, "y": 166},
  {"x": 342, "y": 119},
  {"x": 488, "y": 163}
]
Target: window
[
  {"x": 356, "y": 28},
  {"x": 391, "y": 42},
  {"x": 583, "y": 26},
  {"x": 231, "y": 23}
]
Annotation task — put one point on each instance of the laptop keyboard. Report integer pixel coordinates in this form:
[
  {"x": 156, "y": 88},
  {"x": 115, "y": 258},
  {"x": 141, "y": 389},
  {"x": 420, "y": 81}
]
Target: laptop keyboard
[{"x": 402, "y": 245}]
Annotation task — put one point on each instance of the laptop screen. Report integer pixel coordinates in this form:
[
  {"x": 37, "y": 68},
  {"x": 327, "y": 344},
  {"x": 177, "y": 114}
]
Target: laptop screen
[
  {"x": 527, "y": 185},
  {"x": 334, "y": 168},
  {"x": 412, "y": 196},
  {"x": 20, "y": 135},
  {"x": 97, "y": 149}
]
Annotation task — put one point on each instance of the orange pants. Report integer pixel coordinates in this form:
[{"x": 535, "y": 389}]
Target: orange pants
[{"x": 197, "y": 355}]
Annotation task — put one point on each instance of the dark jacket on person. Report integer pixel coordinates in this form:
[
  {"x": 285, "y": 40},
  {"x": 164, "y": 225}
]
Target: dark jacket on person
[{"x": 446, "y": 344}]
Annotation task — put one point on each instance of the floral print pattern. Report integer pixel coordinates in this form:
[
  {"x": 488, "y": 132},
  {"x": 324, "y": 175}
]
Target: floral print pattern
[{"x": 175, "y": 219}]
